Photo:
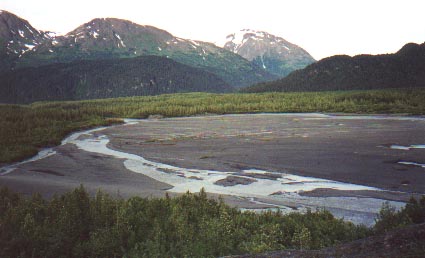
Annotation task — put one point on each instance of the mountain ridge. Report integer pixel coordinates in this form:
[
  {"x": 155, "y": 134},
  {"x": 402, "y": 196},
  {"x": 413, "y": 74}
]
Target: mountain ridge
[
  {"x": 109, "y": 38},
  {"x": 403, "y": 69}
]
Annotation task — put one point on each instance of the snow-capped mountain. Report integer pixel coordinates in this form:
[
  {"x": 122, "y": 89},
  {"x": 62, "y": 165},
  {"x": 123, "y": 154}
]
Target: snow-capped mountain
[
  {"x": 17, "y": 37},
  {"x": 106, "y": 38},
  {"x": 123, "y": 38},
  {"x": 271, "y": 52}
]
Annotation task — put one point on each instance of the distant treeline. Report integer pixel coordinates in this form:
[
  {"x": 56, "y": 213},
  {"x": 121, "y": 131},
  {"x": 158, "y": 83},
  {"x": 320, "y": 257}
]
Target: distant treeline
[{"x": 26, "y": 128}]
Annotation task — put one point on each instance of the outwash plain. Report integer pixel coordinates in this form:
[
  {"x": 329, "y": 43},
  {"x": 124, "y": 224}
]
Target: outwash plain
[{"x": 347, "y": 164}]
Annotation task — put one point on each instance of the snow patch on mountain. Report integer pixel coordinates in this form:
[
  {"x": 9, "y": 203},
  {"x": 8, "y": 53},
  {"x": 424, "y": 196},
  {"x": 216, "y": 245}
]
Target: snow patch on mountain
[
  {"x": 50, "y": 34},
  {"x": 121, "y": 41},
  {"x": 29, "y": 47}
]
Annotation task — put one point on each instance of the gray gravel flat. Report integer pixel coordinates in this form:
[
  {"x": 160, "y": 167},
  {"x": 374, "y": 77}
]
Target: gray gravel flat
[{"x": 347, "y": 150}]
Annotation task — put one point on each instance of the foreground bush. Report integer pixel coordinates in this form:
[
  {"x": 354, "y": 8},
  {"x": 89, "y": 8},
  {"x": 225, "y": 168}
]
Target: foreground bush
[
  {"x": 77, "y": 225},
  {"x": 389, "y": 218}
]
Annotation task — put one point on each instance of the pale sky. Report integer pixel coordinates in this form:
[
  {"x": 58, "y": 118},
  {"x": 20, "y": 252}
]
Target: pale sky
[{"x": 322, "y": 27}]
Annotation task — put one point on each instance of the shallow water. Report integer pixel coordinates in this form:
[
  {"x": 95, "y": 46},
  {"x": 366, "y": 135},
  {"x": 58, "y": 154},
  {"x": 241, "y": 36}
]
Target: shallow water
[
  {"x": 40, "y": 155},
  {"x": 193, "y": 180},
  {"x": 410, "y": 163},
  {"x": 275, "y": 191},
  {"x": 413, "y": 146}
]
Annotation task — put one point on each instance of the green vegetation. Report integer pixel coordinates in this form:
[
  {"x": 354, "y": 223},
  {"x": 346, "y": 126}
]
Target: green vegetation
[
  {"x": 389, "y": 218},
  {"x": 192, "y": 225},
  {"x": 77, "y": 225},
  {"x": 25, "y": 128}
]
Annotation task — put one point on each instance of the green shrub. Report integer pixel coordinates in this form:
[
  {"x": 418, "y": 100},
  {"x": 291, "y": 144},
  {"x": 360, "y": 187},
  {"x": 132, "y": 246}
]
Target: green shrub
[
  {"x": 77, "y": 225},
  {"x": 389, "y": 218}
]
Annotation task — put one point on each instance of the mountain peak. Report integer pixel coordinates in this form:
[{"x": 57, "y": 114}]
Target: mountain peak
[
  {"x": 117, "y": 24},
  {"x": 108, "y": 22},
  {"x": 237, "y": 40},
  {"x": 243, "y": 42},
  {"x": 7, "y": 13},
  {"x": 411, "y": 48},
  {"x": 11, "y": 25},
  {"x": 113, "y": 32},
  {"x": 273, "y": 53},
  {"x": 17, "y": 35}
]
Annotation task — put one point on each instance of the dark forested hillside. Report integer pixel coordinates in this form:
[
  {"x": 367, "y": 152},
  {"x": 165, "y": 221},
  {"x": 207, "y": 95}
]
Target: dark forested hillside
[
  {"x": 147, "y": 75},
  {"x": 404, "y": 69}
]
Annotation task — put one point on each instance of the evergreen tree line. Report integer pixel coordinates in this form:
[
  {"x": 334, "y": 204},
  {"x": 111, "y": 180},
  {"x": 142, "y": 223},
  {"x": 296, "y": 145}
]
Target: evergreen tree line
[{"x": 192, "y": 225}]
